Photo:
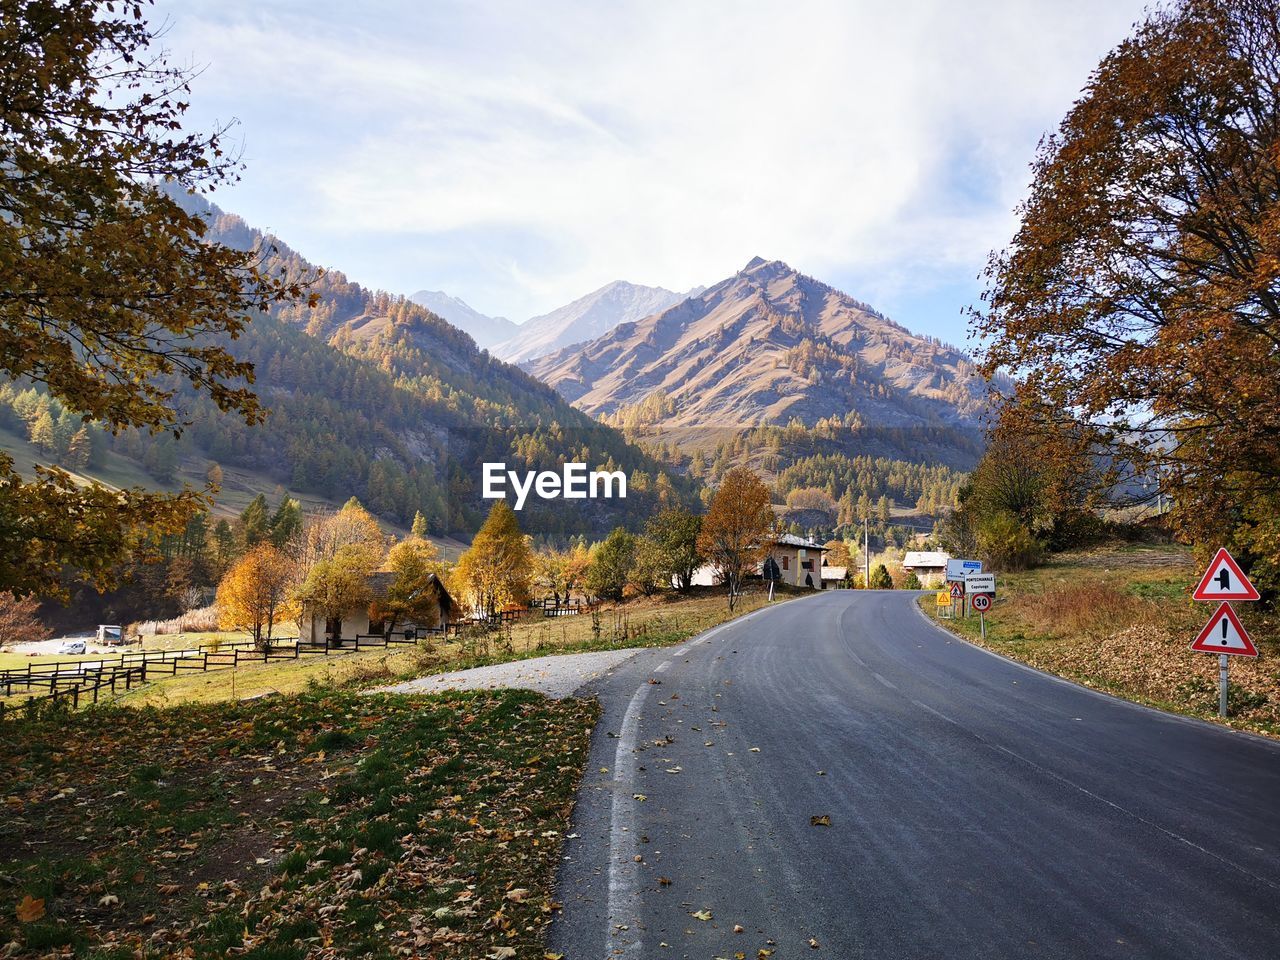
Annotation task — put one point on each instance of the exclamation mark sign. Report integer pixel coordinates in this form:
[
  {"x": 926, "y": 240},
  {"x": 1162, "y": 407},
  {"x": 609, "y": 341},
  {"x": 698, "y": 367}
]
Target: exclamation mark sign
[{"x": 1224, "y": 631}]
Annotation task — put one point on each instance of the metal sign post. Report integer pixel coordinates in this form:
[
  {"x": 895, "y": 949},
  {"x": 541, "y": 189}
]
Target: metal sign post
[
  {"x": 1223, "y": 660},
  {"x": 982, "y": 603},
  {"x": 1224, "y": 634}
]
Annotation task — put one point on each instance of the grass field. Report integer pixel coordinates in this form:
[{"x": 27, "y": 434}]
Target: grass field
[
  {"x": 664, "y": 619},
  {"x": 1121, "y": 620},
  {"x": 327, "y": 823}
]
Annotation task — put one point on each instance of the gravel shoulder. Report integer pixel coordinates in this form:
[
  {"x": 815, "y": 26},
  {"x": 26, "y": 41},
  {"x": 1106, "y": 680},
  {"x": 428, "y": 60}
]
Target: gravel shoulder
[{"x": 556, "y": 676}]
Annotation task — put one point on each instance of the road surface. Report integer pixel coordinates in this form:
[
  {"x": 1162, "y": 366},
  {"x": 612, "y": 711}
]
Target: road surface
[{"x": 977, "y": 808}]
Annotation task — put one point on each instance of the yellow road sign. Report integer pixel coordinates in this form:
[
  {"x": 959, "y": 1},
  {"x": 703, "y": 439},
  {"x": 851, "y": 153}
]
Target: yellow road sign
[{"x": 944, "y": 598}]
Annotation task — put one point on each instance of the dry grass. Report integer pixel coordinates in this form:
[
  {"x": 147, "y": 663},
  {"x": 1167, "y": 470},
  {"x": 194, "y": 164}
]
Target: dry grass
[
  {"x": 1088, "y": 608},
  {"x": 203, "y": 620},
  {"x": 654, "y": 621},
  {"x": 1123, "y": 622}
]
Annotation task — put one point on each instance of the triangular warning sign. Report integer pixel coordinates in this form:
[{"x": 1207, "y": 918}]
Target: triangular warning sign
[
  {"x": 1224, "y": 580},
  {"x": 1224, "y": 633}
]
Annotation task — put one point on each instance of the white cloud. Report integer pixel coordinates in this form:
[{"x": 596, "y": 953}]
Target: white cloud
[{"x": 526, "y": 153}]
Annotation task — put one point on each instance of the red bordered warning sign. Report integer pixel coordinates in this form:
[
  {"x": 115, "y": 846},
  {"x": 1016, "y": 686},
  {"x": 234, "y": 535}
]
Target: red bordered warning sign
[
  {"x": 957, "y": 591},
  {"x": 1224, "y": 633},
  {"x": 1224, "y": 580}
]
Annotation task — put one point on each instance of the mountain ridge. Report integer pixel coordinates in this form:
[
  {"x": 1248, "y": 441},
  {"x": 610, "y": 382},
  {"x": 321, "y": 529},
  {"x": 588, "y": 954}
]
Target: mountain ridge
[
  {"x": 766, "y": 346},
  {"x": 589, "y": 316},
  {"x": 485, "y": 330}
]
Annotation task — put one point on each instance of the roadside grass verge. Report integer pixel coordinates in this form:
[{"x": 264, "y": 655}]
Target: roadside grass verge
[
  {"x": 1125, "y": 628},
  {"x": 327, "y": 824},
  {"x": 662, "y": 620}
]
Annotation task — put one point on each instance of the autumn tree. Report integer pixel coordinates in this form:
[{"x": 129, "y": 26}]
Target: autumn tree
[
  {"x": 611, "y": 564},
  {"x": 650, "y": 567},
  {"x": 336, "y": 585},
  {"x": 351, "y": 527},
  {"x": 109, "y": 294},
  {"x": 419, "y": 528},
  {"x": 255, "y": 593},
  {"x": 737, "y": 528},
  {"x": 1139, "y": 302},
  {"x": 838, "y": 554},
  {"x": 415, "y": 593},
  {"x": 676, "y": 533},
  {"x": 19, "y": 620},
  {"x": 497, "y": 569},
  {"x": 549, "y": 572}
]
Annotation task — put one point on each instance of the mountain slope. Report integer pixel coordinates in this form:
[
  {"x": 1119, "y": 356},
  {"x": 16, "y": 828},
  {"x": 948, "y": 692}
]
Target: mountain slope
[
  {"x": 372, "y": 396},
  {"x": 584, "y": 319},
  {"x": 484, "y": 330},
  {"x": 766, "y": 346}
]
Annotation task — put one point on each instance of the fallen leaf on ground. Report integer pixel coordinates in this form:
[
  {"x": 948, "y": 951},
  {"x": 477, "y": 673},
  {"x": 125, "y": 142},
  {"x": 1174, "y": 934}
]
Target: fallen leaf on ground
[
  {"x": 820, "y": 821},
  {"x": 30, "y": 909}
]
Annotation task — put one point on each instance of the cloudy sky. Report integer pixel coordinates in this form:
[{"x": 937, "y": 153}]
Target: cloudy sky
[{"x": 519, "y": 155}]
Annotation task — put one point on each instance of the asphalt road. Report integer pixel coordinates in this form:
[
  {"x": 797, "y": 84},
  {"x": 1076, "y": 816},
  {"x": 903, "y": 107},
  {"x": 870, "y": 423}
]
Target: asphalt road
[{"x": 977, "y": 808}]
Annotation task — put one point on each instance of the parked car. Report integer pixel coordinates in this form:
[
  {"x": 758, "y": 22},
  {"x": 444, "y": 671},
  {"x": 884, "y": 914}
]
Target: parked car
[{"x": 73, "y": 647}]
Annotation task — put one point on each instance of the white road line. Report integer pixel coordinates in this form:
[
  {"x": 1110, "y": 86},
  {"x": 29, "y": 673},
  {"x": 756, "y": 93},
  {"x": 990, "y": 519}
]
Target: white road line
[
  {"x": 887, "y": 683},
  {"x": 624, "y": 872},
  {"x": 624, "y": 894},
  {"x": 663, "y": 667}
]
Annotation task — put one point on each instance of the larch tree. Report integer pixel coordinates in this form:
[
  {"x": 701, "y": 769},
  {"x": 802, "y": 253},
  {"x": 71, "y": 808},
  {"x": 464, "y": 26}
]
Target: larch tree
[
  {"x": 415, "y": 593},
  {"x": 353, "y": 528},
  {"x": 737, "y": 528},
  {"x": 109, "y": 294},
  {"x": 255, "y": 594},
  {"x": 497, "y": 569},
  {"x": 336, "y": 585},
  {"x": 1138, "y": 305}
]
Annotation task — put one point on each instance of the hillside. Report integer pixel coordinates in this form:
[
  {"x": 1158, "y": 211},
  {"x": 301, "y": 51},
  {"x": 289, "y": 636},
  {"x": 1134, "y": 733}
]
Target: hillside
[
  {"x": 370, "y": 396},
  {"x": 584, "y": 319},
  {"x": 765, "y": 346},
  {"x": 483, "y": 329}
]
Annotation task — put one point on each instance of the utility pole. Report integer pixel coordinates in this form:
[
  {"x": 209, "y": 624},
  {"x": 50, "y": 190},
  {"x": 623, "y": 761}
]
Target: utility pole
[{"x": 866, "y": 555}]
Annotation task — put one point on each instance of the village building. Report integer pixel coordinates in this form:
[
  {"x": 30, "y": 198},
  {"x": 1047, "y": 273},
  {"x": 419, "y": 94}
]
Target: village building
[
  {"x": 834, "y": 578},
  {"x": 799, "y": 561},
  {"x": 358, "y": 621},
  {"x": 929, "y": 566},
  {"x": 796, "y": 561}
]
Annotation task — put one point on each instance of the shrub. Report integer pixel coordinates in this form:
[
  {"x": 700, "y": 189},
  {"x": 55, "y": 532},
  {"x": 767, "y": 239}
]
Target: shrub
[{"x": 1004, "y": 543}]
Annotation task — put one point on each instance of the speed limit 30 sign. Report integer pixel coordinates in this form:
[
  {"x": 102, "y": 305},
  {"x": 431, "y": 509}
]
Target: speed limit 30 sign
[{"x": 981, "y": 602}]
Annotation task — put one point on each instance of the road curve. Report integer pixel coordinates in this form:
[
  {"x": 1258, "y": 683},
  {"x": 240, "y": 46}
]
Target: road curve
[{"x": 977, "y": 808}]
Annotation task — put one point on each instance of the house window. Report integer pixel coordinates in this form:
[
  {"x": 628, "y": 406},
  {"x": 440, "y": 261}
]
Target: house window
[
  {"x": 806, "y": 564},
  {"x": 786, "y": 563}
]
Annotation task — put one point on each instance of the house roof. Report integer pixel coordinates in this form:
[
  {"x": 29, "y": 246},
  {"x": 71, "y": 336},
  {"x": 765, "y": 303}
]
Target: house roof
[
  {"x": 834, "y": 573},
  {"x": 925, "y": 558},
  {"x": 791, "y": 540},
  {"x": 380, "y": 582}
]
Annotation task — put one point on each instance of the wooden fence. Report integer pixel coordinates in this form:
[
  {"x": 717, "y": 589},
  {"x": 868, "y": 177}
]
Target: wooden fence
[{"x": 83, "y": 681}]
